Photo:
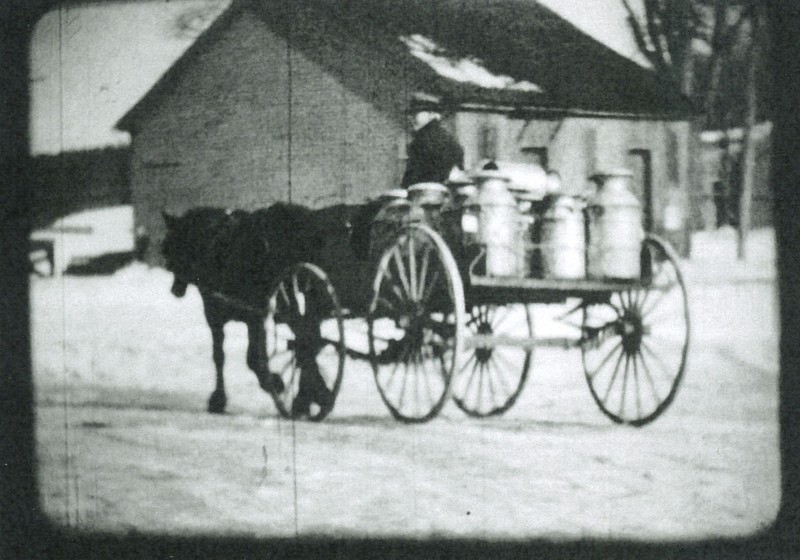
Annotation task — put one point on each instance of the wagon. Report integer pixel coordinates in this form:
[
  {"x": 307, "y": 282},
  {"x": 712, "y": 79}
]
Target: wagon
[{"x": 439, "y": 327}]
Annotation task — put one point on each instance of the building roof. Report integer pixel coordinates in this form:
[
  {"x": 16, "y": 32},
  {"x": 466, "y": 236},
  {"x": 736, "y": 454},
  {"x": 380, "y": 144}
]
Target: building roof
[{"x": 479, "y": 54}]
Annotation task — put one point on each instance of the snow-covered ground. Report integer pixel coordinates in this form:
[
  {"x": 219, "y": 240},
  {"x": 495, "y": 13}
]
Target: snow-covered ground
[{"x": 123, "y": 371}]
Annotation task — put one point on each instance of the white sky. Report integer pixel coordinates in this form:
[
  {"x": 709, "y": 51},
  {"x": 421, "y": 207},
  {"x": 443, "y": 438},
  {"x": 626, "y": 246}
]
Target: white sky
[{"x": 90, "y": 64}]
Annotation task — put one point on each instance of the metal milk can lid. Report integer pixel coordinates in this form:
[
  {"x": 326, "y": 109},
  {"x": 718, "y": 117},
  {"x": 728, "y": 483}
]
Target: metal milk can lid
[
  {"x": 427, "y": 193},
  {"x": 493, "y": 189},
  {"x": 393, "y": 194},
  {"x": 562, "y": 205},
  {"x": 613, "y": 189}
]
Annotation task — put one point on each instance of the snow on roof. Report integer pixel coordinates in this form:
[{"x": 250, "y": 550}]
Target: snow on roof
[{"x": 466, "y": 70}]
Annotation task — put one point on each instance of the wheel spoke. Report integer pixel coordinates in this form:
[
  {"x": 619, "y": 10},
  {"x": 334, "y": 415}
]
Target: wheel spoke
[
  {"x": 394, "y": 289},
  {"x": 500, "y": 316},
  {"x": 429, "y": 288},
  {"x": 660, "y": 285},
  {"x": 626, "y": 301},
  {"x": 654, "y": 304},
  {"x": 475, "y": 367},
  {"x": 412, "y": 269},
  {"x": 490, "y": 383},
  {"x": 427, "y": 378},
  {"x": 469, "y": 360},
  {"x": 307, "y": 284},
  {"x": 392, "y": 374},
  {"x": 386, "y": 304},
  {"x": 423, "y": 272},
  {"x": 636, "y": 384},
  {"x": 624, "y": 385},
  {"x": 481, "y": 382},
  {"x": 475, "y": 318},
  {"x": 619, "y": 309},
  {"x": 415, "y": 381},
  {"x": 282, "y": 291},
  {"x": 401, "y": 272},
  {"x": 496, "y": 359},
  {"x": 296, "y": 294},
  {"x": 287, "y": 365},
  {"x": 613, "y": 376},
  {"x": 605, "y": 360},
  {"x": 650, "y": 380},
  {"x": 657, "y": 359}
]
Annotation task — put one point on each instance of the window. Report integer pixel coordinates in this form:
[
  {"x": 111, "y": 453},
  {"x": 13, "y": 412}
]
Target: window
[{"x": 487, "y": 142}]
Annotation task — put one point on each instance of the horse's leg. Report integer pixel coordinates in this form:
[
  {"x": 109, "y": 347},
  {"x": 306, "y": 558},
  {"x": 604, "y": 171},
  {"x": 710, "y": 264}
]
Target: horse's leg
[
  {"x": 216, "y": 319},
  {"x": 309, "y": 343},
  {"x": 257, "y": 357}
]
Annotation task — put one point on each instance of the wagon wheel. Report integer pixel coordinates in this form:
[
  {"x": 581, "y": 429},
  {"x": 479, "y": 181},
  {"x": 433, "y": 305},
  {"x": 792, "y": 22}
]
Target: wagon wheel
[
  {"x": 634, "y": 346},
  {"x": 305, "y": 342},
  {"x": 491, "y": 377},
  {"x": 416, "y": 316}
]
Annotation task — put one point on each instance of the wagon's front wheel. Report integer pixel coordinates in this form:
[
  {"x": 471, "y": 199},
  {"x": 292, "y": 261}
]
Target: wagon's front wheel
[
  {"x": 305, "y": 342},
  {"x": 416, "y": 316},
  {"x": 634, "y": 346}
]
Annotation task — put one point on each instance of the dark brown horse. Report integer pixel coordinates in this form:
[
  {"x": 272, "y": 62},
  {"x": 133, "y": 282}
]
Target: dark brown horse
[{"x": 234, "y": 258}]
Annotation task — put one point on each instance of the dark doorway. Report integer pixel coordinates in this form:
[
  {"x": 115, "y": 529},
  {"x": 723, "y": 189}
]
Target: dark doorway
[
  {"x": 640, "y": 162},
  {"x": 535, "y": 154}
]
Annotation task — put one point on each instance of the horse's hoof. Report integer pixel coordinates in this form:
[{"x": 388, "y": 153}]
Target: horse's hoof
[
  {"x": 301, "y": 406},
  {"x": 324, "y": 397},
  {"x": 273, "y": 383},
  {"x": 217, "y": 402}
]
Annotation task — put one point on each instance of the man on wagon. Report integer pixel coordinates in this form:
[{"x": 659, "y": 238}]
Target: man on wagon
[{"x": 433, "y": 152}]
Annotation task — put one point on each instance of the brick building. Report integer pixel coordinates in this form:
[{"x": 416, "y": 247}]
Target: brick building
[{"x": 306, "y": 100}]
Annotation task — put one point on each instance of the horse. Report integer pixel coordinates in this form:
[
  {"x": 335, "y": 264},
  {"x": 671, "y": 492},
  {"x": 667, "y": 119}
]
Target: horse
[{"x": 234, "y": 257}]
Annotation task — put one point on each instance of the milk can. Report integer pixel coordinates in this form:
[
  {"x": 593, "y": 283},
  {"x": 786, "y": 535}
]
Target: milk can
[
  {"x": 430, "y": 199},
  {"x": 563, "y": 239},
  {"x": 498, "y": 224},
  {"x": 394, "y": 212},
  {"x": 615, "y": 228}
]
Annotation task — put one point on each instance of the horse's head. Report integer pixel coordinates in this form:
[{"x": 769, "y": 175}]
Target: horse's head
[{"x": 176, "y": 253}]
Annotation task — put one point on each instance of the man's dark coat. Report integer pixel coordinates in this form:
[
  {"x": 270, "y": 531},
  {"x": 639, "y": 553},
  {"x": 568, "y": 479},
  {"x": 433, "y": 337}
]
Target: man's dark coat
[{"x": 432, "y": 154}]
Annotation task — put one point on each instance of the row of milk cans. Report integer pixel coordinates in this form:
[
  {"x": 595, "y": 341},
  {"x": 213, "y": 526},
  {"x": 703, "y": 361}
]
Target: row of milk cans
[{"x": 560, "y": 237}]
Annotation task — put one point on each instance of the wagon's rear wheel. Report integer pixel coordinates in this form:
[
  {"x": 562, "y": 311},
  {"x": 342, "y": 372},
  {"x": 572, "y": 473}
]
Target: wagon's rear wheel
[
  {"x": 305, "y": 342},
  {"x": 491, "y": 374},
  {"x": 634, "y": 347},
  {"x": 416, "y": 316}
]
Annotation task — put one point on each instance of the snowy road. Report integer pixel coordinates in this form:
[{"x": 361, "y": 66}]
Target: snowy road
[{"x": 123, "y": 372}]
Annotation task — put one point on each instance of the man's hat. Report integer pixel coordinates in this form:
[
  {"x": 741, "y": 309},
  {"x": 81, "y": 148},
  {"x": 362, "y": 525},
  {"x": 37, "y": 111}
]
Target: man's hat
[{"x": 424, "y": 102}]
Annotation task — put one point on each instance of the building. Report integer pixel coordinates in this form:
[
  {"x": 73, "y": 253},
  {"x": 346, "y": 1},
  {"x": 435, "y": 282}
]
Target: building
[{"x": 306, "y": 101}]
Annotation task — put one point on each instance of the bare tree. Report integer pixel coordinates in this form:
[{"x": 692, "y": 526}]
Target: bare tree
[
  {"x": 664, "y": 33},
  {"x": 756, "y": 19}
]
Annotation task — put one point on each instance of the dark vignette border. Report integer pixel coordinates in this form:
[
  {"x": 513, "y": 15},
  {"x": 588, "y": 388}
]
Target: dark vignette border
[{"x": 26, "y": 533}]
